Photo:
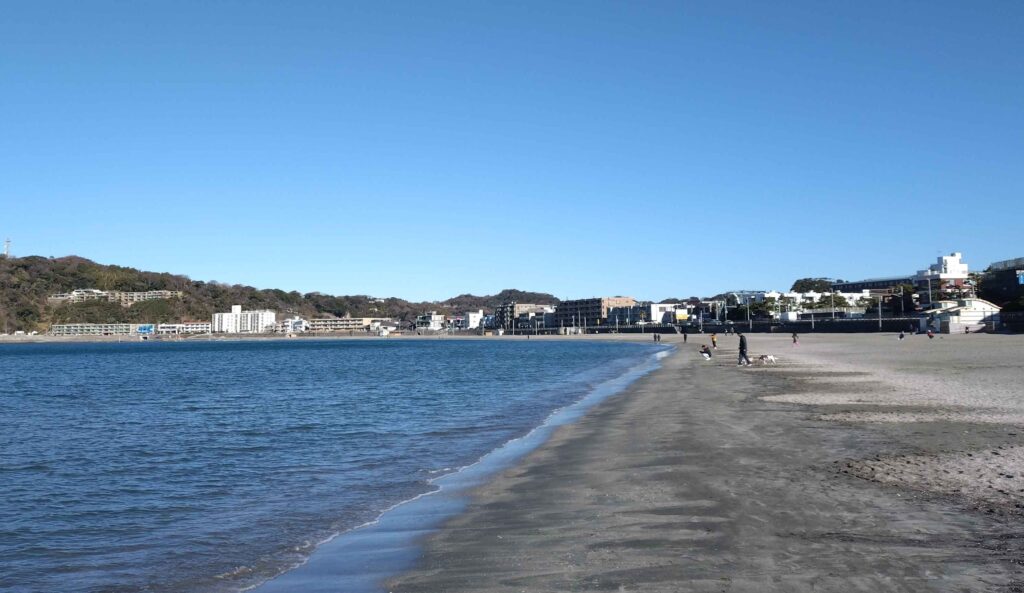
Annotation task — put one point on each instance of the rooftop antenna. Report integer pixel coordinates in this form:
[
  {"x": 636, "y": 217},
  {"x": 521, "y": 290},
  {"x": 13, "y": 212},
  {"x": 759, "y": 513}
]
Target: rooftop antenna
[{"x": 7, "y": 248}]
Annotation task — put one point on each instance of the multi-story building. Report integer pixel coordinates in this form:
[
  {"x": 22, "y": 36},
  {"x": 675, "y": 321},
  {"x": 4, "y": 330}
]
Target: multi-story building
[
  {"x": 430, "y": 321},
  {"x": 80, "y": 295},
  {"x": 511, "y": 313},
  {"x": 244, "y": 322},
  {"x": 472, "y": 319},
  {"x": 537, "y": 317},
  {"x": 875, "y": 285},
  {"x": 187, "y": 327},
  {"x": 334, "y": 324},
  {"x": 125, "y": 299},
  {"x": 948, "y": 277},
  {"x": 1004, "y": 281},
  {"x": 947, "y": 269},
  {"x": 649, "y": 313},
  {"x": 94, "y": 329},
  {"x": 293, "y": 325},
  {"x": 589, "y": 312}
]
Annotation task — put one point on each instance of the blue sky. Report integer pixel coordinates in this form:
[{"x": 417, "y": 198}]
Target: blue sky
[{"x": 427, "y": 149}]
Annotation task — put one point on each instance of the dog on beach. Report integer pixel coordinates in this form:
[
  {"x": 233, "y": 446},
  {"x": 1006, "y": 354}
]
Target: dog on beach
[{"x": 767, "y": 359}]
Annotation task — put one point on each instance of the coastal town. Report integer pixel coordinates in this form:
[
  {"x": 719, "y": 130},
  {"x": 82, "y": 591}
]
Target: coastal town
[
  {"x": 944, "y": 297},
  {"x": 512, "y": 297}
]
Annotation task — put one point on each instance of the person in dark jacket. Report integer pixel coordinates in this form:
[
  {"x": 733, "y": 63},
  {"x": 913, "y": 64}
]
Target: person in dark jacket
[{"x": 742, "y": 359}]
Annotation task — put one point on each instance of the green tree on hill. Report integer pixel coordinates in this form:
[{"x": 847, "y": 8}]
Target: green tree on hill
[{"x": 812, "y": 285}]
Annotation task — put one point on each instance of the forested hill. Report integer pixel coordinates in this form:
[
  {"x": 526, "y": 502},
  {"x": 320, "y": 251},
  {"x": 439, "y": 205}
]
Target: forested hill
[{"x": 26, "y": 282}]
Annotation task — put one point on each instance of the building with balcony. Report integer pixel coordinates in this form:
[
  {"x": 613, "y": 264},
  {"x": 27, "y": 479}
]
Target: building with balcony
[
  {"x": 123, "y": 298},
  {"x": 589, "y": 312},
  {"x": 187, "y": 327},
  {"x": 127, "y": 299},
  {"x": 508, "y": 315},
  {"x": 430, "y": 322},
  {"x": 336, "y": 324},
  {"x": 244, "y": 322},
  {"x": 293, "y": 325},
  {"x": 79, "y": 295},
  {"x": 472, "y": 319},
  {"x": 94, "y": 329}
]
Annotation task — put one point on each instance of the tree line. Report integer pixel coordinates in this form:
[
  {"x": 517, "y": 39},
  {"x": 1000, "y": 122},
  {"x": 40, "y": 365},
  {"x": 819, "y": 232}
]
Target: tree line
[{"x": 27, "y": 282}]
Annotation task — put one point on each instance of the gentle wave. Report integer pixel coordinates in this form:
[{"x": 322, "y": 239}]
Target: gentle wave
[{"x": 212, "y": 467}]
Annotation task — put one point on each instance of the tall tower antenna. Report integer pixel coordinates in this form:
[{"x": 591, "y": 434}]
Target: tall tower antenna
[{"x": 7, "y": 248}]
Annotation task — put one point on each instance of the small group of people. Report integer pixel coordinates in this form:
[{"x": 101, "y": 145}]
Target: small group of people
[
  {"x": 742, "y": 360},
  {"x": 657, "y": 337}
]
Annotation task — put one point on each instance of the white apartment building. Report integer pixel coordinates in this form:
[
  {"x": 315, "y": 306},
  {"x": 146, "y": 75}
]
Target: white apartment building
[
  {"x": 188, "y": 327},
  {"x": 80, "y": 295},
  {"x": 94, "y": 329},
  {"x": 125, "y": 299},
  {"x": 430, "y": 322},
  {"x": 473, "y": 319},
  {"x": 244, "y": 322},
  {"x": 946, "y": 269},
  {"x": 798, "y": 298},
  {"x": 294, "y": 325},
  {"x": 334, "y": 324}
]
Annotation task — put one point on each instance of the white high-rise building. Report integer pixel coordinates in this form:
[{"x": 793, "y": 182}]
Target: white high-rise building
[
  {"x": 244, "y": 322},
  {"x": 473, "y": 319},
  {"x": 947, "y": 268}
]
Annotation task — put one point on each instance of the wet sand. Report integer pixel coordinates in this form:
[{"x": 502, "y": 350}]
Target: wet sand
[{"x": 836, "y": 470}]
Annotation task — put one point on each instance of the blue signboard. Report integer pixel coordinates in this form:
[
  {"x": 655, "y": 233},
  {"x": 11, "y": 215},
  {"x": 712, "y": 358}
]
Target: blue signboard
[
  {"x": 147, "y": 328},
  {"x": 1020, "y": 278}
]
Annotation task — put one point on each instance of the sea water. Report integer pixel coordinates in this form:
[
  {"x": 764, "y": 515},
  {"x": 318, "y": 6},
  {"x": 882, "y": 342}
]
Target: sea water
[{"x": 214, "y": 466}]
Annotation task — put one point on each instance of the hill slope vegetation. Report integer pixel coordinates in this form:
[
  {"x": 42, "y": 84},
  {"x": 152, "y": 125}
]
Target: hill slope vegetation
[{"x": 26, "y": 282}]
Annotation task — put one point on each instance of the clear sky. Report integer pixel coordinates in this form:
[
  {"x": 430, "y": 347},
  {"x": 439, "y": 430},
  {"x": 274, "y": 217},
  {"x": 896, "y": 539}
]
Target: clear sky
[{"x": 426, "y": 149}]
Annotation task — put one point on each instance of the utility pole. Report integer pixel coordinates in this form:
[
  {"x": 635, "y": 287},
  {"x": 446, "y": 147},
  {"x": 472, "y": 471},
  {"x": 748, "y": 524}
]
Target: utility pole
[{"x": 879, "y": 312}]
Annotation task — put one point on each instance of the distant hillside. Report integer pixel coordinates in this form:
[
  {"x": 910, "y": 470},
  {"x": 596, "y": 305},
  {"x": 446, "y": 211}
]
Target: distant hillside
[
  {"x": 469, "y": 302},
  {"x": 26, "y": 282}
]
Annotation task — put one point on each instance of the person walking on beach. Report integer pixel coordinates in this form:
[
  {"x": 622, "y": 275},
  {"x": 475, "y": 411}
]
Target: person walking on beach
[
  {"x": 796, "y": 339},
  {"x": 714, "y": 341},
  {"x": 742, "y": 359},
  {"x": 684, "y": 335}
]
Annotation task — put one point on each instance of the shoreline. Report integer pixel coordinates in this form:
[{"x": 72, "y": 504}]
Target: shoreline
[
  {"x": 356, "y": 560},
  {"x": 197, "y": 338},
  {"x": 822, "y": 473}
]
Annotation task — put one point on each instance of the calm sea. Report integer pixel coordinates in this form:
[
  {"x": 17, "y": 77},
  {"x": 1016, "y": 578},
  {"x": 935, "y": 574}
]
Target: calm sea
[{"x": 214, "y": 466}]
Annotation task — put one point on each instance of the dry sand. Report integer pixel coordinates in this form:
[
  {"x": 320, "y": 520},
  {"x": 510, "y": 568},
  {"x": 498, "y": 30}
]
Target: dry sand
[{"x": 858, "y": 463}]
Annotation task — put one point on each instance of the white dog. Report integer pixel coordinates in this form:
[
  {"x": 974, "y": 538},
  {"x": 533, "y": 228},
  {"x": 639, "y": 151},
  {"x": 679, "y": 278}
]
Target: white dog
[{"x": 767, "y": 359}]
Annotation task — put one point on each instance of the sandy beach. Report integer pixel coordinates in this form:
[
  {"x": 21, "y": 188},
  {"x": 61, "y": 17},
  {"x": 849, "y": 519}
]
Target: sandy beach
[{"x": 857, "y": 463}]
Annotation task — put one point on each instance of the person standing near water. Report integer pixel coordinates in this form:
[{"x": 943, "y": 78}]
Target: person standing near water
[
  {"x": 684, "y": 334},
  {"x": 742, "y": 359}
]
